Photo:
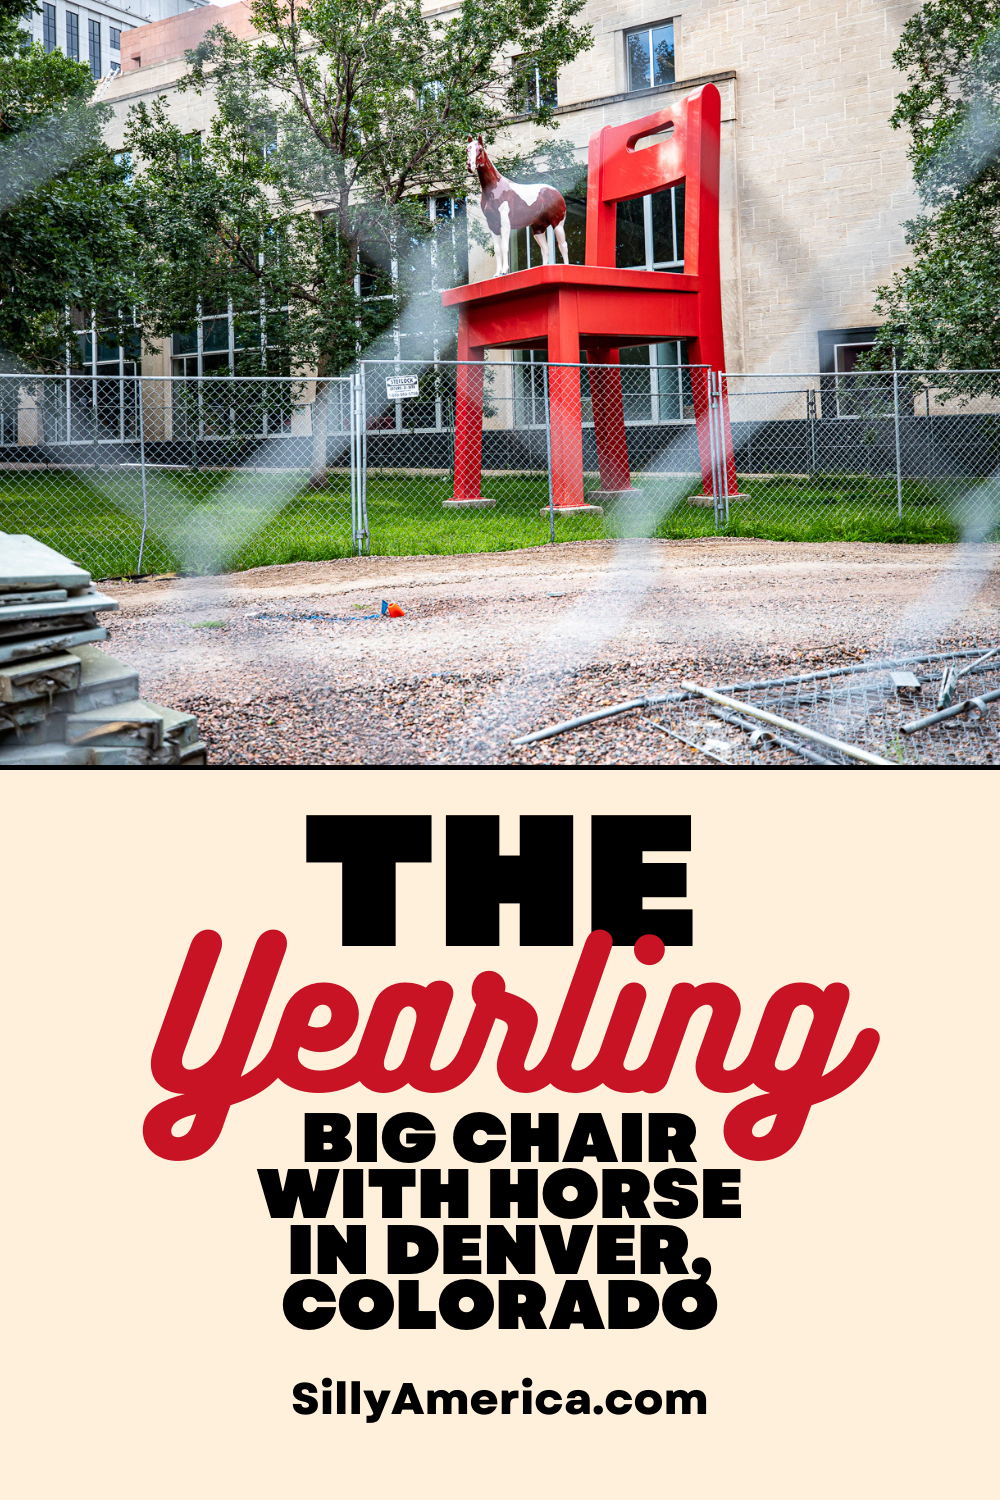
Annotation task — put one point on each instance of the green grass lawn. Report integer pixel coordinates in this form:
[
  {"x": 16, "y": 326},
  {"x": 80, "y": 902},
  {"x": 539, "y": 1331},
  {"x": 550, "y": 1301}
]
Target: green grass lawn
[{"x": 204, "y": 522}]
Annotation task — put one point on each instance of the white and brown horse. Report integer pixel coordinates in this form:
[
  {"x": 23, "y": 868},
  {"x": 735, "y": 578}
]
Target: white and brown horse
[{"x": 513, "y": 205}]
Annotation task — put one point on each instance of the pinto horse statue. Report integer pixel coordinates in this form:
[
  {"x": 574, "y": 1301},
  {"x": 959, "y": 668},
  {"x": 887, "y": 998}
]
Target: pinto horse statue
[{"x": 513, "y": 205}]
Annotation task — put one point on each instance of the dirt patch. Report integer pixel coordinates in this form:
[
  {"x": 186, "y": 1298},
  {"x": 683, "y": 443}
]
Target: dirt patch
[{"x": 291, "y": 672}]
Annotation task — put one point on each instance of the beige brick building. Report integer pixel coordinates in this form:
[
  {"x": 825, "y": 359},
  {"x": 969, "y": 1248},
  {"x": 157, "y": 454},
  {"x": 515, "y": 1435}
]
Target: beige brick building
[{"x": 815, "y": 184}]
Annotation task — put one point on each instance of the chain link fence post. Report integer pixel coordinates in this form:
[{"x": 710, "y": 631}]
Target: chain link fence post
[
  {"x": 895, "y": 416},
  {"x": 548, "y": 452},
  {"x": 142, "y": 472},
  {"x": 363, "y": 533}
]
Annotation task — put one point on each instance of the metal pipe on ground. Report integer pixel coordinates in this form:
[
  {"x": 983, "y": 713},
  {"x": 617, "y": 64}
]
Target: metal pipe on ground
[
  {"x": 655, "y": 724},
  {"x": 796, "y": 749},
  {"x": 854, "y": 752},
  {"x": 951, "y": 713},
  {"x": 578, "y": 723}
]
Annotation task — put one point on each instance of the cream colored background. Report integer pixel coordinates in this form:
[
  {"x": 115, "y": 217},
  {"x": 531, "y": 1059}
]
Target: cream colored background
[{"x": 146, "y": 1351}]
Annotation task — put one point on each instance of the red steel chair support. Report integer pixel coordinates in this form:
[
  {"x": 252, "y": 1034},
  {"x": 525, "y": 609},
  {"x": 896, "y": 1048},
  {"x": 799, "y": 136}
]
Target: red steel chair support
[{"x": 598, "y": 308}]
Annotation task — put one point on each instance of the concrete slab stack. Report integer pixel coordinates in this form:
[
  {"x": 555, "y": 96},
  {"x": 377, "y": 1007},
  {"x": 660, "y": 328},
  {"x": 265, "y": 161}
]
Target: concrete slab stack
[{"x": 63, "y": 701}]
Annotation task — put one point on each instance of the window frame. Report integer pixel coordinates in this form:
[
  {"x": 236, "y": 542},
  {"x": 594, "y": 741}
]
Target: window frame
[
  {"x": 674, "y": 266},
  {"x": 830, "y": 341},
  {"x": 647, "y": 31},
  {"x": 73, "y": 35},
  {"x": 518, "y": 68},
  {"x": 94, "y": 46},
  {"x": 50, "y": 39}
]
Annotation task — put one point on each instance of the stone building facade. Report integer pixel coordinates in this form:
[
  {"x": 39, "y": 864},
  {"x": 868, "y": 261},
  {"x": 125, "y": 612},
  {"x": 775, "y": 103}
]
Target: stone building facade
[{"x": 815, "y": 184}]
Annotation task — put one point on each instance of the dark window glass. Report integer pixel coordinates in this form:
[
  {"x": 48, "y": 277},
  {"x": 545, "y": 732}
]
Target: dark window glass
[
  {"x": 215, "y": 334},
  {"x": 94, "y": 40},
  {"x": 636, "y": 384},
  {"x": 49, "y": 27},
  {"x": 187, "y": 342},
  {"x": 668, "y": 226},
  {"x": 630, "y": 235},
  {"x": 116, "y": 38},
  {"x": 375, "y": 267},
  {"x": 72, "y": 36},
  {"x": 679, "y": 202},
  {"x": 676, "y": 400}
]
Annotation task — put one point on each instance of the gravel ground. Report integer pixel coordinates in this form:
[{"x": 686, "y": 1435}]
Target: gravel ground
[{"x": 282, "y": 667}]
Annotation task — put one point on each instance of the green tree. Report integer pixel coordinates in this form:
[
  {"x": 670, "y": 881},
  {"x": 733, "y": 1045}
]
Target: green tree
[
  {"x": 308, "y": 196},
  {"x": 942, "y": 310},
  {"x": 65, "y": 232}
]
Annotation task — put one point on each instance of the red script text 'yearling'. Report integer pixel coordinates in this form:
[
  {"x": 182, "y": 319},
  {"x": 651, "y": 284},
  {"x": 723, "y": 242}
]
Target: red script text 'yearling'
[{"x": 205, "y": 1094}]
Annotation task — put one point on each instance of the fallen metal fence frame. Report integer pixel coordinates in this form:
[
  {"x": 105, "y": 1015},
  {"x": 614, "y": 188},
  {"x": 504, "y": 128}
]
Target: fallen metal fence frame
[
  {"x": 652, "y": 700},
  {"x": 758, "y": 736},
  {"x": 691, "y": 744},
  {"x": 854, "y": 752},
  {"x": 979, "y": 704}
]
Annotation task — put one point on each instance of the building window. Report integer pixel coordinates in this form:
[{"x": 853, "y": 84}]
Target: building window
[
  {"x": 224, "y": 342},
  {"x": 649, "y": 56},
  {"x": 94, "y": 38},
  {"x": 534, "y": 88},
  {"x": 844, "y": 394},
  {"x": 656, "y": 385},
  {"x": 649, "y": 234},
  {"x": 191, "y": 148},
  {"x": 107, "y": 388},
  {"x": 116, "y": 38},
  {"x": 72, "y": 36},
  {"x": 49, "y": 27},
  {"x": 451, "y": 242},
  {"x": 228, "y": 342}
]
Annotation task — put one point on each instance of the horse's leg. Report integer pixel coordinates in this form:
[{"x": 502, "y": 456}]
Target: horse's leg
[
  {"x": 561, "y": 241},
  {"x": 541, "y": 240},
  {"x": 498, "y": 254},
  {"x": 504, "y": 239}
]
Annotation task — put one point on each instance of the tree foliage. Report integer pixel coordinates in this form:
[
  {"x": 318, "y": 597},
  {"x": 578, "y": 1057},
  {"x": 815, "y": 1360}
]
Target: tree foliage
[
  {"x": 943, "y": 311},
  {"x": 65, "y": 236},
  {"x": 330, "y": 132}
]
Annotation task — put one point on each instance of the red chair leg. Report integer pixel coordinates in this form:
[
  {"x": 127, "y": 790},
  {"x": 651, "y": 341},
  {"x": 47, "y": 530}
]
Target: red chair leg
[
  {"x": 565, "y": 414},
  {"x": 609, "y": 420},
  {"x": 468, "y": 422}
]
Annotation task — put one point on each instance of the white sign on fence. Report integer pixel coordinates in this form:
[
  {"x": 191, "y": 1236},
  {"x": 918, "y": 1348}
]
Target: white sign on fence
[{"x": 397, "y": 386}]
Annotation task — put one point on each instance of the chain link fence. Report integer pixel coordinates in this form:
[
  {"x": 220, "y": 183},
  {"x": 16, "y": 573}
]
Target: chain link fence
[{"x": 144, "y": 474}]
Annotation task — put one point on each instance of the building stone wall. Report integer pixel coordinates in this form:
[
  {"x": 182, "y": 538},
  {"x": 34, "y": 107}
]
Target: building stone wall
[{"x": 815, "y": 185}]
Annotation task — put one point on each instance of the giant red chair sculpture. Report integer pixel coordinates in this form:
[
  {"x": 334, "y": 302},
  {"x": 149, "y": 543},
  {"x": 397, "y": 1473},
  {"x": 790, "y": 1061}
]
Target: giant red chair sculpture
[{"x": 600, "y": 309}]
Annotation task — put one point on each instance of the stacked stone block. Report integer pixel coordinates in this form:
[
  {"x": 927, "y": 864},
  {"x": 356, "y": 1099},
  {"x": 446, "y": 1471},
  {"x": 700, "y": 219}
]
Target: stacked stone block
[{"x": 63, "y": 701}]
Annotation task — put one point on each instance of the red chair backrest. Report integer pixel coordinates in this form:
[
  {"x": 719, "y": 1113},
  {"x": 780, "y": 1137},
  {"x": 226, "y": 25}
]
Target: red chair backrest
[{"x": 616, "y": 172}]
